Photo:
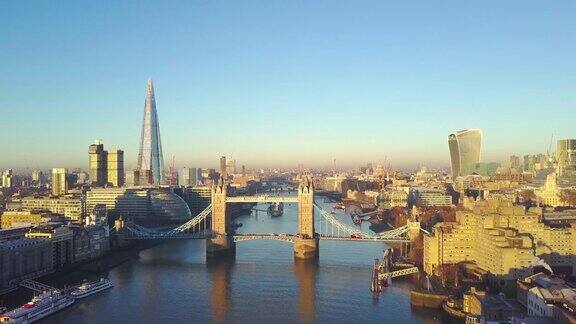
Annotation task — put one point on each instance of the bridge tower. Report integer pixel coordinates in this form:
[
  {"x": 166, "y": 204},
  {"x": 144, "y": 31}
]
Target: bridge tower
[
  {"x": 306, "y": 244},
  {"x": 222, "y": 243}
]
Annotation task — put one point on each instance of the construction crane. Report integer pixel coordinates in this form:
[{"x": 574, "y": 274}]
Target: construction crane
[
  {"x": 551, "y": 159},
  {"x": 173, "y": 177}
]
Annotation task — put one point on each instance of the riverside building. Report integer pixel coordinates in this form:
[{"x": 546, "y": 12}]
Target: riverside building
[
  {"x": 71, "y": 206},
  {"x": 502, "y": 239}
]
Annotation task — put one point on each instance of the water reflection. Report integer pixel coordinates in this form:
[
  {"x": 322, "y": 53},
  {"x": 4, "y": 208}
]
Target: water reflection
[
  {"x": 305, "y": 272},
  {"x": 220, "y": 296}
]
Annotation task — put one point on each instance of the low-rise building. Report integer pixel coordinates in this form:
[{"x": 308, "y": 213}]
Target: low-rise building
[
  {"x": 428, "y": 197},
  {"x": 393, "y": 198},
  {"x": 548, "y": 296},
  {"x": 71, "y": 206},
  {"x": 25, "y": 218},
  {"x": 482, "y": 308}
]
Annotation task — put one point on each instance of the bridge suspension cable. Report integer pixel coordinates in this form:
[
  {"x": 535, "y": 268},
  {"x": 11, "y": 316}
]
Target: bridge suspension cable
[
  {"x": 333, "y": 228},
  {"x": 197, "y": 224},
  {"x": 338, "y": 226}
]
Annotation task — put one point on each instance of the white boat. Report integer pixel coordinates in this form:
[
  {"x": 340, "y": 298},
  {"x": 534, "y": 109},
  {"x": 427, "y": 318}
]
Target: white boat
[
  {"x": 45, "y": 304},
  {"x": 90, "y": 288}
]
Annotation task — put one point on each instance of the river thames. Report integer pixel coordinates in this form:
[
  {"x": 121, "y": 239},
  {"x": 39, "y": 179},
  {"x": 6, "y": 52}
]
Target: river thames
[{"x": 172, "y": 282}]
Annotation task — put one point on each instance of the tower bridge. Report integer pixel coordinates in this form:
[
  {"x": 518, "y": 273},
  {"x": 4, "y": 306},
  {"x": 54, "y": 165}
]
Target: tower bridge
[{"x": 221, "y": 238}]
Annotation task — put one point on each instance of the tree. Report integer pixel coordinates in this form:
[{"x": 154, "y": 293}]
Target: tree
[{"x": 568, "y": 196}]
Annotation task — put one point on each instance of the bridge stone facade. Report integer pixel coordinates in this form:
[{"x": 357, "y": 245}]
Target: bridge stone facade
[
  {"x": 306, "y": 243},
  {"x": 222, "y": 243}
]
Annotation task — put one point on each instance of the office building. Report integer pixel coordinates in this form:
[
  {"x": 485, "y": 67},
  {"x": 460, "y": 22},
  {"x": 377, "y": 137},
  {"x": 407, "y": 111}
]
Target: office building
[
  {"x": 566, "y": 156},
  {"x": 465, "y": 151},
  {"x": 115, "y": 167},
  {"x": 7, "y": 179},
  {"x": 97, "y": 163},
  {"x": 37, "y": 177},
  {"x": 227, "y": 166},
  {"x": 484, "y": 169},
  {"x": 59, "y": 182},
  {"x": 515, "y": 163},
  {"x": 188, "y": 177},
  {"x": 230, "y": 165},
  {"x": 106, "y": 167},
  {"x": 393, "y": 198},
  {"x": 71, "y": 206},
  {"x": 184, "y": 177},
  {"x": 150, "y": 158},
  {"x": 223, "y": 169},
  {"x": 132, "y": 178}
]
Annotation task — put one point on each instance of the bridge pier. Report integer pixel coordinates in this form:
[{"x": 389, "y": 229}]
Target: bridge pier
[
  {"x": 306, "y": 248},
  {"x": 306, "y": 245},
  {"x": 220, "y": 246}
]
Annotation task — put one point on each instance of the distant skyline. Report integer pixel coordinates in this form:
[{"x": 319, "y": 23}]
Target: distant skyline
[{"x": 283, "y": 83}]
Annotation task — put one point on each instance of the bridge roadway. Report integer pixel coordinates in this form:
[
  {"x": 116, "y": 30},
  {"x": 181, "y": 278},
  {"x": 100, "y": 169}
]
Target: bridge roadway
[
  {"x": 285, "y": 237},
  {"x": 262, "y": 199}
]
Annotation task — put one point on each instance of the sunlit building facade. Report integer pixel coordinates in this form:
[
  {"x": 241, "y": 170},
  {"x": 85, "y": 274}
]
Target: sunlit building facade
[
  {"x": 97, "y": 163},
  {"x": 501, "y": 239},
  {"x": 6, "y": 179},
  {"x": 566, "y": 156},
  {"x": 465, "y": 151},
  {"x": 115, "y": 167},
  {"x": 59, "y": 183},
  {"x": 69, "y": 206}
]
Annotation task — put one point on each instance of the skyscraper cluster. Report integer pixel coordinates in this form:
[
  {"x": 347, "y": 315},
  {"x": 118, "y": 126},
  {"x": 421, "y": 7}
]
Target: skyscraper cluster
[
  {"x": 106, "y": 167},
  {"x": 227, "y": 166}
]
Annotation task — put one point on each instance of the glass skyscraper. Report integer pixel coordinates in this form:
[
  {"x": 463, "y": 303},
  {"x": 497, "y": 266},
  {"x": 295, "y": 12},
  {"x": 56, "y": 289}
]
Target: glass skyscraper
[
  {"x": 150, "y": 159},
  {"x": 465, "y": 151}
]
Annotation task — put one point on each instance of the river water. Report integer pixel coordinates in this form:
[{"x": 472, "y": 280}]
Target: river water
[{"x": 172, "y": 282}]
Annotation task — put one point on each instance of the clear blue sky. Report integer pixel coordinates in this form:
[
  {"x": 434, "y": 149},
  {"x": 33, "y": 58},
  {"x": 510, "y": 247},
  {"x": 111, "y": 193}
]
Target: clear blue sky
[{"x": 283, "y": 82}]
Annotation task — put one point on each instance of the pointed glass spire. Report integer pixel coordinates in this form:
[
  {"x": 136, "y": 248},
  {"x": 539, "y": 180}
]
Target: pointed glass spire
[{"x": 150, "y": 159}]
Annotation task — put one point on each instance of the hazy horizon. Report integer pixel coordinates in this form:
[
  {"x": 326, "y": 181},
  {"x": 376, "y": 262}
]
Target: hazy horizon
[{"x": 285, "y": 83}]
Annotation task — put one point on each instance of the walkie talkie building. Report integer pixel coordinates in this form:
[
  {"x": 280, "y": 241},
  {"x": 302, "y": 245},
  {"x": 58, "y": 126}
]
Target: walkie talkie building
[
  {"x": 465, "y": 151},
  {"x": 150, "y": 159}
]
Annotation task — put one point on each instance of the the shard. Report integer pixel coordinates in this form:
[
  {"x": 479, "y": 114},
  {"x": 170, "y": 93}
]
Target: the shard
[{"x": 150, "y": 159}]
